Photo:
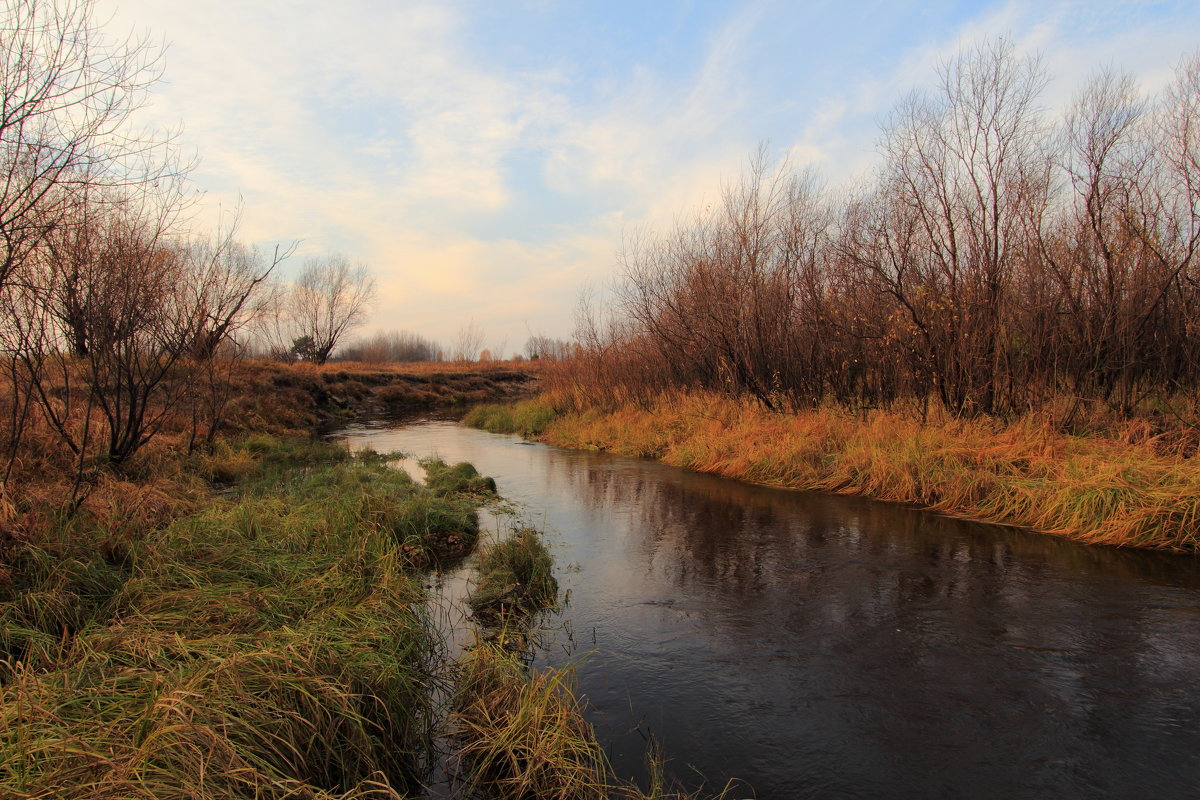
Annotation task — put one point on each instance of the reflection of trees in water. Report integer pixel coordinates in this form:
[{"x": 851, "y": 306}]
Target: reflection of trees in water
[
  {"x": 944, "y": 628},
  {"x": 1019, "y": 657},
  {"x": 717, "y": 526}
]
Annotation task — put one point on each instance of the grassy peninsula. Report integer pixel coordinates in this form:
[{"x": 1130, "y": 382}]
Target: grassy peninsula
[{"x": 268, "y": 641}]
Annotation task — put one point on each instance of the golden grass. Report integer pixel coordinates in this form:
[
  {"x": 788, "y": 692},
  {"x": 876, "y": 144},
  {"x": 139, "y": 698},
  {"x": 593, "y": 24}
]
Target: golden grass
[
  {"x": 1093, "y": 489},
  {"x": 522, "y": 735}
]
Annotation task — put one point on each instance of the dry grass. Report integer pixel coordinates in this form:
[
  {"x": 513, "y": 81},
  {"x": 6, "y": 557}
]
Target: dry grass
[
  {"x": 1116, "y": 490},
  {"x": 516, "y": 581},
  {"x": 269, "y": 642},
  {"x": 273, "y": 397},
  {"x": 523, "y": 735},
  {"x": 263, "y": 397},
  {"x": 426, "y": 368}
]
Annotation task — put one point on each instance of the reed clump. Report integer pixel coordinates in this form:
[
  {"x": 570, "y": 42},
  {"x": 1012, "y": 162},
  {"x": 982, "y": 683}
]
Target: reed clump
[
  {"x": 272, "y": 643},
  {"x": 462, "y": 478},
  {"x": 523, "y": 734}
]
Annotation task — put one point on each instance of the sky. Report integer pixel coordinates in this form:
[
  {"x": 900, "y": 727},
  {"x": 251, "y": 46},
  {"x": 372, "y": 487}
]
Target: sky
[{"x": 485, "y": 159}]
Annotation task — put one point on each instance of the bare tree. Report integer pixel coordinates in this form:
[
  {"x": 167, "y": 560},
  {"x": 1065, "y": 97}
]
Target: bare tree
[
  {"x": 67, "y": 92},
  {"x": 547, "y": 347},
  {"x": 468, "y": 342},
  {"x": 961, "y": 165},
  {"x": 996, "y": 265},
  {"x": 329, "y": 299},
  {"x": 228, "y": 286}
]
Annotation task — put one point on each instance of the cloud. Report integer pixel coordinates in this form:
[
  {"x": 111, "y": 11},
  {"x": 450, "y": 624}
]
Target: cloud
[{"x": 486, "y": 161}]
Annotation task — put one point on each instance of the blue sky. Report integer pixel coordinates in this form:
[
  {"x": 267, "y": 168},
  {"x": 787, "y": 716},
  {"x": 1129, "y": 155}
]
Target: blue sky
[{"x": 486, "y": 158}]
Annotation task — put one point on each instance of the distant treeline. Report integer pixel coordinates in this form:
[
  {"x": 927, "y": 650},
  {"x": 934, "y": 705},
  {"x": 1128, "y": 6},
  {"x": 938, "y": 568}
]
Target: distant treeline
[
  {"x": 402, "y": 346},
  {"x": 999, "y": 260},
  {"x": 393, "y": 346}
]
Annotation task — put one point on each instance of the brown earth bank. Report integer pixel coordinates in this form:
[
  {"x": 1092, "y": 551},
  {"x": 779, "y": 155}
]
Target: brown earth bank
[{"x": 267, "y": 395}]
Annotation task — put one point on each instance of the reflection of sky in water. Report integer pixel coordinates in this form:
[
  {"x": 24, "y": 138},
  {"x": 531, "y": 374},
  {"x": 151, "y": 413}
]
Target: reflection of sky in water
[{"x": 822, "y": 646}]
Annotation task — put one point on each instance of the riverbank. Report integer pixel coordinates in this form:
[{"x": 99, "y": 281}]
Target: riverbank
[
  {"x": 1091, "y": 489},
  {"x": 270, "y": 639},
  {"x": 255, "y": 622},
  {"x": 267, "y": 395}
]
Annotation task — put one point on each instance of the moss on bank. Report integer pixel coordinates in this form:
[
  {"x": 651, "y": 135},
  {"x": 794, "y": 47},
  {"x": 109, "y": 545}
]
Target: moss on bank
[{"x": 1089, "y": 488}]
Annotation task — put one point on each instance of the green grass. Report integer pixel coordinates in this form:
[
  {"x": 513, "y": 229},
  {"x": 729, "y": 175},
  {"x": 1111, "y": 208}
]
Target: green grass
[
  {"x": 526, "y": 417},
  {"x": 462, "y": 478},
  {"x": 273, "y": 643},
  {"x": 516, "y": 579}
]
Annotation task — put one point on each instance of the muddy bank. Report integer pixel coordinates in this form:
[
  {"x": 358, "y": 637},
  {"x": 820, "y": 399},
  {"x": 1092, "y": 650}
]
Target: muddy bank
[{"x": 272, "y": 396}]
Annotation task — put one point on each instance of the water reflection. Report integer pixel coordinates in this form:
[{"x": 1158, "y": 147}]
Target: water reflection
[{"x": 822, "y": 646}]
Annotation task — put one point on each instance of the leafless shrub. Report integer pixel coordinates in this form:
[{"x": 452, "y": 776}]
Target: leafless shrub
[
  {"x": 998, "y": 263},
  {"x": 393, "y": 346},
  {"x": 468, "y": 342}
]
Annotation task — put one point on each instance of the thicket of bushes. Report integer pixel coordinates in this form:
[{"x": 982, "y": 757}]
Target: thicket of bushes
[{"x": 1000, "y": 260}]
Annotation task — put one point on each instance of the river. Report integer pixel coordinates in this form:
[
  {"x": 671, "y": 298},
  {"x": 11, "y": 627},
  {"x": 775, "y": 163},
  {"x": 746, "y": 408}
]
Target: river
[{"x": 818, "y": 646}]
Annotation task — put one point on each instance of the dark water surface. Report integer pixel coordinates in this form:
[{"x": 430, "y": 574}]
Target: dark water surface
[{"x": 819, "y": 646}]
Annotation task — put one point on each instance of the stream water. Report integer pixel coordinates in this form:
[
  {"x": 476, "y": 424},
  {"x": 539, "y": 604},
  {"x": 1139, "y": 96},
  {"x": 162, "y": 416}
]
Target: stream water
[{"x": 818, "y": 646}]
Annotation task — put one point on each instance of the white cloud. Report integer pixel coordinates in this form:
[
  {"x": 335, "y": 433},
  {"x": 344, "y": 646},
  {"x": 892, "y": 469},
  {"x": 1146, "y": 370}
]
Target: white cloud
[{"x": 383, "y": 130}]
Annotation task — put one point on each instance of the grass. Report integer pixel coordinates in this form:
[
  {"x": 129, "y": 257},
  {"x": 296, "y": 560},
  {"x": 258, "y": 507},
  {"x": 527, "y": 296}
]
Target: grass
[
  {"x": 266, "y": 393},
  {"x": 526, "y": 417},
  {"x": 523, "y": 734},
  {"x": 249, "y": 620},
  {"x": 1094, "y": 489},
  {"x": 462, "y": 478},
  {"x": 271, "y": 643},
  {"x": 516, "y": 579}
]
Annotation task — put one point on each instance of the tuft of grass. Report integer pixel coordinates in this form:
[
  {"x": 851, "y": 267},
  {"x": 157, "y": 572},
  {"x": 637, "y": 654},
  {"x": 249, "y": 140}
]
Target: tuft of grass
[
  {"x": 462, "y": 478},
  {"x": 516, "y": 578},
  {"x": 523, "y": 733},
  {"x": 526, "y": 417},
  {"x": 432, "y": 529},
  {"x": 48, "y": 598}
]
